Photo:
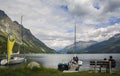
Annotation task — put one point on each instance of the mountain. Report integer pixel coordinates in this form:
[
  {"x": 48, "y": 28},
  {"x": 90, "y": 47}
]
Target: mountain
[
  {"x": 80, "y": 46},
  {"x": 111, "y": 45},
  {"x": 26, "y": 41}
]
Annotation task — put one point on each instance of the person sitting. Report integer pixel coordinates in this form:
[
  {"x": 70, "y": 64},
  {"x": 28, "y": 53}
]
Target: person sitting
[
  {"x": 75, "y": 60},
  {"x": 113, "y": 62}
]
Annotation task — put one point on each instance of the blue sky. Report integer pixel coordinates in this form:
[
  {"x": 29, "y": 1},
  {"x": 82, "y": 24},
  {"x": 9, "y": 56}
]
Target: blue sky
[
  {"x": 96, "y": 5},
  {"x": 52, "y": 21}
]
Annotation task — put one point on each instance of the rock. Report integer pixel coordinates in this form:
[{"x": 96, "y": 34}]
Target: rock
[{"x": 33, "y": 64}]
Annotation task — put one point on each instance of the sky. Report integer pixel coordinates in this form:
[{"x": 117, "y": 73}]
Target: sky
[{"x": 53, "y": 21}]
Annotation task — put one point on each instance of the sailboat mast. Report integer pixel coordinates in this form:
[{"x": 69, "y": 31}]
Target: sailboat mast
[
  {"x": 21, "y": 30},
  {"x": 74, "y": 38},
  {"x": 20, "y": 33},
  {"x": 21, "y": 19}
]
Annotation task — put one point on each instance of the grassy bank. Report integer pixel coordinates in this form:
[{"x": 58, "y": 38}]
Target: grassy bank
[{"x": 24, "y": 71}]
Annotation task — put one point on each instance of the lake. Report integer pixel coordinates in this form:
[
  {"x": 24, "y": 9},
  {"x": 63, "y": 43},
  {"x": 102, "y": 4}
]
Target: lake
[{"x": 52, "y": 60}]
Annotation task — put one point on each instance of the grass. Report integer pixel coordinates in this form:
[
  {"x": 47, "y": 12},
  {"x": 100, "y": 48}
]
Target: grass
[{"x": 25, "y": 71}]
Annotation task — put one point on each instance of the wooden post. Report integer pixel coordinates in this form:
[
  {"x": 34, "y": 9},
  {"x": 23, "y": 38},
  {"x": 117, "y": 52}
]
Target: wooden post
[
  {"x": 95, "y": 66},
  {"x": 100, "y": 69},
  {"x": 110, "y": 67}
]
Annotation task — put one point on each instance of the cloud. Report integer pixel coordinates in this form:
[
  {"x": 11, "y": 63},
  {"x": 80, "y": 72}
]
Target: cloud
[
  {"x": 86, "y": 9},
  {"x": 53, "y": 21},
  {"x": 111, "y": 5},
  {"x": 99, "y": 34},
  {"x": 105, "y": 33}
]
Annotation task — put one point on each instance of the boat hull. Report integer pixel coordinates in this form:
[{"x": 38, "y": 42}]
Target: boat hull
[
  {"x": 69, "y": 66},
  {"x": 15, "y": 60}
]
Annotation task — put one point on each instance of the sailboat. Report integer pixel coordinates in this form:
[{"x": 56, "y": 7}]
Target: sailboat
[
  {"x": 74, "y": 64},
  {"x": 11, "y": 60}
]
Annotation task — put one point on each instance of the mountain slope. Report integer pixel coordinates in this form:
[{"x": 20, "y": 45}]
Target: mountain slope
[
  {"x": 80, "y": 46},
  {"x": 111, "y": 45},
  {"x": 28, "y": 42}
]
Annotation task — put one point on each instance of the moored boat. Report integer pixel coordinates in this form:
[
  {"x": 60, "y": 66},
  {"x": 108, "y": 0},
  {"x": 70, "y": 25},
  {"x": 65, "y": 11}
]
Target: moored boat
[{"x": 13, "y": 61}]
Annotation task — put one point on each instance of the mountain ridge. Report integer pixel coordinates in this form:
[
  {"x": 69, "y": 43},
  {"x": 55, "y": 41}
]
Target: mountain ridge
[
  {"x": 80, "y": 46},
  {"x": 112, "y": 45},
  {"x": 29, "y": 42}
]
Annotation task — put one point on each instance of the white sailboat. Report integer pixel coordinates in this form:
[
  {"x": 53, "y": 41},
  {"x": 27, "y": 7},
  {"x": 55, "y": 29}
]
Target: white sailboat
[
  {"x": 11, "y": 59},
  {"x": 73, "y": 65}
]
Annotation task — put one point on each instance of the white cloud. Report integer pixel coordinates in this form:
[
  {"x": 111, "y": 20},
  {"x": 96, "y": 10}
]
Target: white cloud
[
  {"x": 99, "y": 34},
  {"x": 55, "y": 25}
]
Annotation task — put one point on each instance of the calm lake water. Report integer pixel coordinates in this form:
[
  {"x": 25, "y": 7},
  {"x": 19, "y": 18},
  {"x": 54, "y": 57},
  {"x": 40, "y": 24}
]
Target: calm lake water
[{"x": 52, "y": 60}]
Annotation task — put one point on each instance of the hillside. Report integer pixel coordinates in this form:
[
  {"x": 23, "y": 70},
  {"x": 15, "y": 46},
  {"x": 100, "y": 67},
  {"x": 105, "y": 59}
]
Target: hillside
[
  {"x": 25, "y": 39},
  {"x": 80, "y": 46},
  {"x": 111, "y": 45}
]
